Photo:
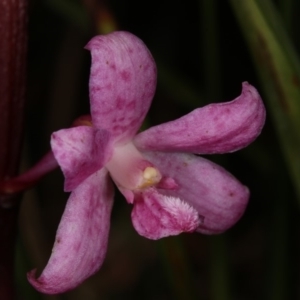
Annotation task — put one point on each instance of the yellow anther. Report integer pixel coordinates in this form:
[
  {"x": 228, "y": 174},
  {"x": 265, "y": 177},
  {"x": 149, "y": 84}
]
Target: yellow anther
[
  {"x": 150, "y": 173},
  {"x": 151, "y": 176}
]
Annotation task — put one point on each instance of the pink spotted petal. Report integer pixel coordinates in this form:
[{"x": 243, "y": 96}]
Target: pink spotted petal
[
  {"x": 122, "y": 83},
  {"x": 215, "y": 128},
  {"x": 216, "y": 195},
  {"x": 155, "y": 216},
  {"x": 80, "y": 151},
  {"x": 81, "y": 238}
]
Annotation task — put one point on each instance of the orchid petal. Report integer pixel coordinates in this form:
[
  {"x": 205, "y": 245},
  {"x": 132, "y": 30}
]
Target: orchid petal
[
  {"x": 81, "y": 239},
  {"x": 155, "y": 216},
  {"x": 80, "y": 151},
  {"x": 217, "y": 196},
  {"x": 215, "y": 128},
  {"x": 122, "y": 83}
]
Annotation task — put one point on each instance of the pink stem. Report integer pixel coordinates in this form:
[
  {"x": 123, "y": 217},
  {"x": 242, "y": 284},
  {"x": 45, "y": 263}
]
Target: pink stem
[
  {"x": 45, "y": 165},
  {"x": 28, "y": 179},
  {"x": 13, "y": 45}
]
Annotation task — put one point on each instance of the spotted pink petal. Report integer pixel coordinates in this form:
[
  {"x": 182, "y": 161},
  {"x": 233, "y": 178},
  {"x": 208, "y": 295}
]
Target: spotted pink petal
[
  {"x": 122, "y": 83},
  {"x": 80, "y": 151},
  {"x": 214, "y": 193},
  {"x": 155, "y": 216},
  {"x": 81, "y": 239},
  {"x": 215, "y": 128}
]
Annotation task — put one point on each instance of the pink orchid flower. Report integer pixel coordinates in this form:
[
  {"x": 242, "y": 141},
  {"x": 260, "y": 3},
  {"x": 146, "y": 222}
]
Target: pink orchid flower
[{"x": 171, "y": 189}]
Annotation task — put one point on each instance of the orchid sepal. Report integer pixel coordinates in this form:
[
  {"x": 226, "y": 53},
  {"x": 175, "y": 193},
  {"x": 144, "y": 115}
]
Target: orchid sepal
[
  {"x": 80, "y": 151},
  {"x": 215, "y": 128},
  {"x": 122, "y": 83},
  {"x": 86, "y": 221}
]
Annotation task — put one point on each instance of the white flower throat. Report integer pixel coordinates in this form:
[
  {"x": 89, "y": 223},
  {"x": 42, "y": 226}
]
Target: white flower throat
[{"x": 131, "y": 170}]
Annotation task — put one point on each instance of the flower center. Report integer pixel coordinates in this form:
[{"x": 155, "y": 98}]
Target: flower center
[
  {"x": 151, "y": 176},
  {"x": 131, "y": 170}
]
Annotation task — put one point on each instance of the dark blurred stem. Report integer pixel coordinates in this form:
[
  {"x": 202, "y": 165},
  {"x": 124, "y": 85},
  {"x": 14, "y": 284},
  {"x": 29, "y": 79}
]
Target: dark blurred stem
[
  {"x": 219, "y": 268},
  {"x": 177, "y": 268},
  {"x": 13, "y": 14},
  {"x": 286, "y": 9},
  {"x": 278, "y": 271}
]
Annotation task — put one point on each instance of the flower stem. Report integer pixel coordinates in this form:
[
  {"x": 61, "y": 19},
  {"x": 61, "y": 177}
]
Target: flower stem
[
  {"x": 45, "y": 165},
  {"x": 13, "y": 44},
  {"x": 30, "y": 177},
  {"x": 8, "y": 223}
]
